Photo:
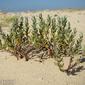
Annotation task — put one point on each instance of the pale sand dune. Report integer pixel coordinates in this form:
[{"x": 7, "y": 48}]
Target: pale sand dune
[
  {"x": 35, "y": 73},
  {"x": 46, "y": 73}
]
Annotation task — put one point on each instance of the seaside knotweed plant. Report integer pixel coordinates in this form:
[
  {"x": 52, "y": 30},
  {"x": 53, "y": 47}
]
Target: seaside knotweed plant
[
  {"x": 45, "y": 36},
  {"x": 39, "y": 34},
  {"x": 0, "y": 39},
  {"x": 83, "y": 51},
  {"x": 49, "y": 37},
  {"x": 35, "y": 37},
  {"x": 66, "y": 44},
  {"x": 43, "y": 33},
  {"x": 18, "y": 39}
]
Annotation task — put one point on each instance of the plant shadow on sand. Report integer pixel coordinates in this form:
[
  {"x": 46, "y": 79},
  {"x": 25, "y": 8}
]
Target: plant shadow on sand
[{"x": 75, "y": 70}]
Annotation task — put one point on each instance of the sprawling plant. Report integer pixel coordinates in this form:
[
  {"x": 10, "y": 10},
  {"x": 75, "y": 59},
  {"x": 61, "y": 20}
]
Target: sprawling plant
[
  {"x": 66, "y": 44},
  {"x": 50, "y": 37},
  {"x": 34, "y": 31},
  {"x": 18, "y": 36},
  {"x": 0, "y": 39}
]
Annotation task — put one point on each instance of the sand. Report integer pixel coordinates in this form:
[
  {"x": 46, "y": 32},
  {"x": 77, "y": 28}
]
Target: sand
[{"x": 13, "y": 72}]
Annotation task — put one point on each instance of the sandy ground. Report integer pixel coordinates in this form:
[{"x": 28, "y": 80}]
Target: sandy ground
[
  {"x": 13, "y": 72},
  {"x": 35, "y": 73}
]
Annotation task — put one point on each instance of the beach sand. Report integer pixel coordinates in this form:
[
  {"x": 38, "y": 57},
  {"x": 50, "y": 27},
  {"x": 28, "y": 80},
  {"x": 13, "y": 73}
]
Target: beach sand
[{"x": 47, "y": 73}]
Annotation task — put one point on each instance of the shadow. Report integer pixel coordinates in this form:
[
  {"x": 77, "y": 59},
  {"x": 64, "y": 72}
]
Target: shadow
[
  {"x": 74, "y": 71},
  {"x": 82, "y": 60}
]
